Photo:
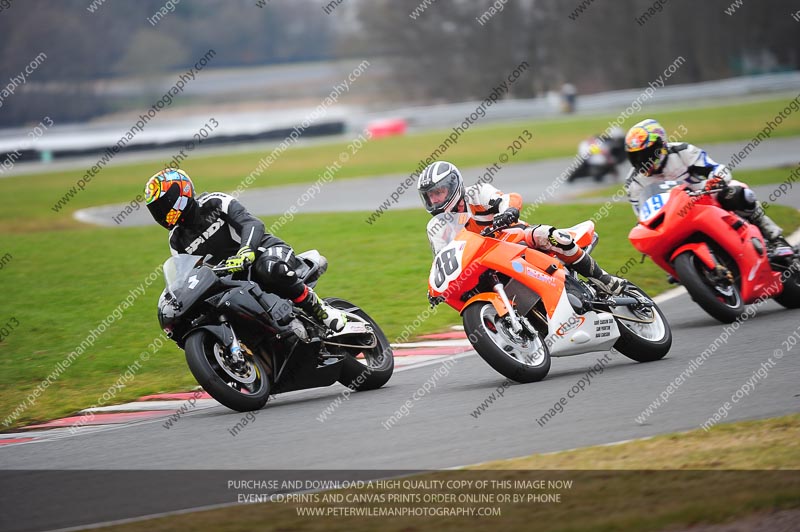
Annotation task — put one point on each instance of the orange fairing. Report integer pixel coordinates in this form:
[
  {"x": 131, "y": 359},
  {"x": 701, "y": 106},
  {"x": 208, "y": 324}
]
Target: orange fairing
[
  {"x": 504, "y": 255},
  {"x": 492, "y": 298}
]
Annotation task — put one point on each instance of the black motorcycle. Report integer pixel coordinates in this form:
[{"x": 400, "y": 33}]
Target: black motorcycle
[{"x": 243, "y": 344}]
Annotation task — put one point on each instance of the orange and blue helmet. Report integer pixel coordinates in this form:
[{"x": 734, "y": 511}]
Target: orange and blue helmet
[
  {"x": 646, "y": 144},
  {"x": 169, "y": 196}
]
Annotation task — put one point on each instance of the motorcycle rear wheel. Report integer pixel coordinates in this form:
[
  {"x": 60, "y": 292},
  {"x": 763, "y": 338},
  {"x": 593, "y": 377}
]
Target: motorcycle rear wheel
[
  {"x": 693, "y": 275},
  {"x": 507, "y": 353},
  {"x": 246, "y": 393},
  {"x": 369, "y": 369},
  {"x": 642, "y": 342},
  {"x": 790, "y": 296}
]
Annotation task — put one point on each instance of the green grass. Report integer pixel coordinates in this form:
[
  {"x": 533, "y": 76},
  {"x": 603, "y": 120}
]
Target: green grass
[
  {"x": 61, "y": 284},
  {"x": 770, "y": 176},
  {"x": 611, "y": 499},
  {"x": 740, "y": 446},
  {"x": 478, "y": 146}
]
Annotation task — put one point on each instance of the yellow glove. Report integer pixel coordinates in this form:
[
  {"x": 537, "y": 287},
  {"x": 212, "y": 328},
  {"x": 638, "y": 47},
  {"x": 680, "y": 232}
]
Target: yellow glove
[{"x": 244, "y": 258}]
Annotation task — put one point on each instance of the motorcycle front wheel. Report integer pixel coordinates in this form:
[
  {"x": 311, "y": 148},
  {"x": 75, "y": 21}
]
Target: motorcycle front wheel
[
  {"x": 244, "y": 387},
  {"x": 721, "y": 301},
  {"x": 518, "y": 357}
]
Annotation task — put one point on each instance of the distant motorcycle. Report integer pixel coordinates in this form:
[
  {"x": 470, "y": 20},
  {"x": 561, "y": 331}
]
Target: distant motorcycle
[
  {"x": 521, "y": 306},
  {"x": 243, "y": 344},
  {"x": 720, "y": 258},
  {"x": 600, "y": 155}
]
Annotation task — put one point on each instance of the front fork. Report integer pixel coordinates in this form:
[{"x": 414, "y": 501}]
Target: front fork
[
  {"x": 235, "y": 348},
  {"x": 516, "y": 326}
]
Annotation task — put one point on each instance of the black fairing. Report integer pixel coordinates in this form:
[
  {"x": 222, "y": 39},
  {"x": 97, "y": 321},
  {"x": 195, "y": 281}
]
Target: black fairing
[
  {"x": 201, "y": 282},
  {"x": 259, "y": 319},
  {"x": 241, "y": 307}
]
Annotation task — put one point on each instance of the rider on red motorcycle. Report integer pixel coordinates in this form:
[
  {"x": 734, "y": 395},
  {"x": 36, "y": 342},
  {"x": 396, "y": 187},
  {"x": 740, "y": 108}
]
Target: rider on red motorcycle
[
  {"x": 442, "y": 190},
  {"x": 655, "y": 159}
]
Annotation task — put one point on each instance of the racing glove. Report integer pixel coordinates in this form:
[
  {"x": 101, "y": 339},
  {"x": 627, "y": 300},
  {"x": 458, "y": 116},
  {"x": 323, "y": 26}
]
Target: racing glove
[
  {"x": 241, "y": 260},
  {"x": 434, "y": 300},
  {"x": 714, "y": 182},
  {"x": 507, "y": 217}
]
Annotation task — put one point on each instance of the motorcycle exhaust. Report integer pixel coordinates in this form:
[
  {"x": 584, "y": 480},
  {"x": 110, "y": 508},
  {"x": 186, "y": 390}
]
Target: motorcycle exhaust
[{"x": 627, "y": 301}]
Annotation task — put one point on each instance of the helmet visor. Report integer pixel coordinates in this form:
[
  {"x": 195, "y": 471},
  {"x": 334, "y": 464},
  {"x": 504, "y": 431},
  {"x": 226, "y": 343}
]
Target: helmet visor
[
  {"x": 647, "y": 160},
  {"x": 168, "y": 209},
  {"x": 439, "y": 195}
]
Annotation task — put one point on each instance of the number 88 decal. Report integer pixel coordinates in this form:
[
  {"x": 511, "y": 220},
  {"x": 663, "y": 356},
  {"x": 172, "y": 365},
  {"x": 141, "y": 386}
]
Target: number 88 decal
[{"x": 447, "y": 266}]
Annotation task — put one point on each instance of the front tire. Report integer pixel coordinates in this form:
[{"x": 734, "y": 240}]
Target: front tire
[
  {"x": 642, "y": 342},
  {"x": 518, "y": 359},
  {"x": 371, "y": 368},
  {"x": 244, "y": 391},
  {"x": 723, "y": 303}
]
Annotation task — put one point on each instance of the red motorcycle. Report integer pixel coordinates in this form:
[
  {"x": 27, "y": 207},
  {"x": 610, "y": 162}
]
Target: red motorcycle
[{"x": 720, "y": 258}]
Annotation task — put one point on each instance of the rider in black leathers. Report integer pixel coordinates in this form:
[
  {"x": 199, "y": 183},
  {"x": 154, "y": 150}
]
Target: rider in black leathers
[{"x": 217, "y": 224}]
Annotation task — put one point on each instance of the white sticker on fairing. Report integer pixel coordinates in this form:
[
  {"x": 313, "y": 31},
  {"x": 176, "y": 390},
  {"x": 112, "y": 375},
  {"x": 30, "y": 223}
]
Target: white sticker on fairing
[
  {"x": 653, "y": 206},
  {"x": 447, "y": 265}
]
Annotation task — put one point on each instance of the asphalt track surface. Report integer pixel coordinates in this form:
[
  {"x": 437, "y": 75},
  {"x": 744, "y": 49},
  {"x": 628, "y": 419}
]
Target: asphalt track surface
[{"x": 531, "y": 180}]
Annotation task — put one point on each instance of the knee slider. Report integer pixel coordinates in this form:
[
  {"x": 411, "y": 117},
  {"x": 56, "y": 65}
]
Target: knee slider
[
  {"x": 736, "y": 198},
  {"x": 561, "y": 239},
  {"x": 274, "y": 270}
]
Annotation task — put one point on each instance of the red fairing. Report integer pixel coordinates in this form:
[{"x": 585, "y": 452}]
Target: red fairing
[{"x": 688, "y": 223}]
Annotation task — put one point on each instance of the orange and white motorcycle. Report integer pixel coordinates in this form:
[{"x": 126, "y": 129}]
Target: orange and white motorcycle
[{"x": 521, "y": 306}]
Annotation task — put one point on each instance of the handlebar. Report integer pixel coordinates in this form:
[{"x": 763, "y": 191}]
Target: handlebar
[
  {"x": 220, "y": 269},
  {"x": 493, "y": 229},
  {"x": 695, "y": 193}
]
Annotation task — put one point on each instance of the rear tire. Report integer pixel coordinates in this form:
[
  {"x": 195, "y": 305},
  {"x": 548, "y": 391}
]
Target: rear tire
[
  {"x": 486, "y": 331},
  {"x": 632, "y": 344},
  {"x": 790, "y": 296},
  {"x": 203, "y": 363},
  {"x": 691, "y": 273},
  {"x": 379, "y": 366}
]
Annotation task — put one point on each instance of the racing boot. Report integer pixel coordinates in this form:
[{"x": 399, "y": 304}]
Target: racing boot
[
  {"x": 588, "y": 267},
  {"x": 771, "y": 232},
  {"x": 325, "y": 314}
]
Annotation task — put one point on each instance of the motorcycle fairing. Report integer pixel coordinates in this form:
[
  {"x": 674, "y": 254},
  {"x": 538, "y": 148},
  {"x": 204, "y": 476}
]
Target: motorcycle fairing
[
  {"x": 573, "y": 334},
  {"x": 717, "y": 226}
]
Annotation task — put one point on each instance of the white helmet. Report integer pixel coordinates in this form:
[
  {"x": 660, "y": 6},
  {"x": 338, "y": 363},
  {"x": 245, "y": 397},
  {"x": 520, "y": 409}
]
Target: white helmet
[{"x": 441, "y": 187}]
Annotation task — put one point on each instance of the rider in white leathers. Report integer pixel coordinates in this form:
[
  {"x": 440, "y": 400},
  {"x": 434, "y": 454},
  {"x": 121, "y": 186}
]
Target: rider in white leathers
[{"x": 655, "y": 160}]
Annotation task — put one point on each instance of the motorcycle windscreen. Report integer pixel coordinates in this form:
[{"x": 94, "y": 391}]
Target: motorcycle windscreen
[
  {"x": 653, "y": 199},
  {"x": 188, "y": 283},
  {"x": 443, "y": 229},
  {"x": 177, "y": 270}
]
